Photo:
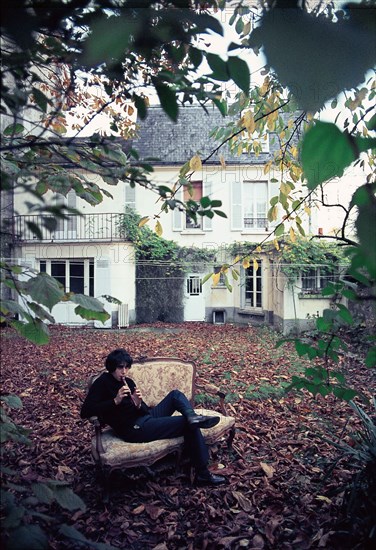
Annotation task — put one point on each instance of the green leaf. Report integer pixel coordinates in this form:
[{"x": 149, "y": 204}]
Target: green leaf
[
  {"x": 109, "y": 39},
  {"x": 11, "y": 306},
  {"x": 44, "y": 289},
  {"x": 35, "y": 331},
  {"x": 42, "y": 492},
  {"x": 13, "y": 401},
  {"x": 207, "y": 277},
  {"x": 13, "y": 129},
  {"x": 314, "y": 56},
  {"x": 279, "y": 230},
  {"x": 72, "y": 533},
  {"x": 205, "y": 202},
  {"x": 87, "y": 302},
  {"x": 28, "y": 536},
  {"x": 92, "y": 315},
  {"x": 344, "y": 393},
  {"x": 41, "y": 99},
  {"x": 167, "y": 98},
  {"x": 345, "y": 314},
  {"x": 220, "y": 213},
  {"x": 195, "y": 56},
  {"x": 67, "y": 498},
  {"x": 218, "y": 66},
  {"x": 371, "y": 358},
  {"x": 239, "y": 72},
  {"x": 326, "y": 152}
]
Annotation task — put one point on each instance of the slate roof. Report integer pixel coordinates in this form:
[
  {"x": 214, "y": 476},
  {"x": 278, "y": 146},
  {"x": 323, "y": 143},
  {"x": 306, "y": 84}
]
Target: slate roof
[{"x": 175, "y": 143}]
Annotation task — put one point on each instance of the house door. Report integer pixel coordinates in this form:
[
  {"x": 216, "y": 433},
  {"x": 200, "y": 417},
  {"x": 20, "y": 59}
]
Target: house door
[{"x": 194, "y": 309}]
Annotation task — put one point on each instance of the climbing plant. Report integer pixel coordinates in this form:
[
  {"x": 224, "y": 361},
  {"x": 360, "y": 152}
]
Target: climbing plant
[{"x": 161, "y": 265}]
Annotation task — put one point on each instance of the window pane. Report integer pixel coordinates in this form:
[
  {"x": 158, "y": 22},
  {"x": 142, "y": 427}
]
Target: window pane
[
  {"x": 309, "y": 279},
  {"x": 76, "y": 277},
  {"x": 194, "y": 192},
  {"x": 255, "y": 204},
  {"x": 58, "y": 271},
  {"x": 43, "y": 266},
  {"x": 253, "y": 287},
  {"x": 194, "y": 286},
  {"x": 91, "y": 278}
]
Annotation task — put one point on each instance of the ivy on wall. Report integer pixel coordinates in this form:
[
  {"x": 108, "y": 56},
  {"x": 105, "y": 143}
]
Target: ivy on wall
[
  {"x": 295, "y": 257},
  {"x": 161, "y": 265}
]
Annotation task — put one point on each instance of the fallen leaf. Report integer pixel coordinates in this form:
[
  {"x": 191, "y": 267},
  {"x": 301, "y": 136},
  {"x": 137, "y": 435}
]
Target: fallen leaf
[{"x": 269, "y": 470}]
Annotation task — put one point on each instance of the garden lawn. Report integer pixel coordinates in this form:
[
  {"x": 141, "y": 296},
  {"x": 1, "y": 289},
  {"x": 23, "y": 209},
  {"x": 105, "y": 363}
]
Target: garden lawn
[{"x": 284, "y": 489}]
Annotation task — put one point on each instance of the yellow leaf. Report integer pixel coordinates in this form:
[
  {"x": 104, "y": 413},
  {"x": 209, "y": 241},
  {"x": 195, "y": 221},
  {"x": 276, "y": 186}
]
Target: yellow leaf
[
  {"x": 259, "y": 249},
  {"x": 195, "y": 163},
  {"x": 216, "y": 278},
  {"x": 292, "y": 235},
  {"x": 130, "y": 110},
  {"x": 270, "y": 123},
  {"x": 158, "y": 228},
  {"x": 143, "y": 220},
  {"x": 237, "y": 259},
  {"x": 294, "y": 151},
  {"x": 246, "y": 262},
  {"x": 285, "y": 188},
  {"x": 273, "y": 214},
  {"x": 255, "y": 264},
  {"x": 265, "y": 86},
  {"x": 269, "y": 470},
  {"x": 276, "y": 245},
  {"x": 307, "y": 210},
  {"x": 240, "y": 149},
  {"x": 325, "y": 499},
  {"x": 249, "y": 122},
  {"x": 138, "y": 510},
  {"x": 222, "y": 161},
  {"x": 247, "y": 28},
  {"x": 267, "y": 168}
]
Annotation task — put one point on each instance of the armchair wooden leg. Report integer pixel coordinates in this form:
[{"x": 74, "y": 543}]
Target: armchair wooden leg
[
  {"x": 104, "y": 482},
  {"x": 230, "y": 438}
]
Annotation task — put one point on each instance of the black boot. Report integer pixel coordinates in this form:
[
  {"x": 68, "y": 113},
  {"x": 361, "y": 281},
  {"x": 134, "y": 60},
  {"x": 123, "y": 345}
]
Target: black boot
[
  {"x": 201, "y": 421},
  {"x": 205, "y": 477}
]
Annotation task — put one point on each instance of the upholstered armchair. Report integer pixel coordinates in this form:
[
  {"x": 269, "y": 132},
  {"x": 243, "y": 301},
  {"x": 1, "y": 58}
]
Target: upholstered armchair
[{"x": 155, "y": 377}]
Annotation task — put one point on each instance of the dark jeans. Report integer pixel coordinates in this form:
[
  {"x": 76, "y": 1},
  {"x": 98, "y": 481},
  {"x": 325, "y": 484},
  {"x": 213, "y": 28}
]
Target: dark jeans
[{"x": 159, "y": 424}]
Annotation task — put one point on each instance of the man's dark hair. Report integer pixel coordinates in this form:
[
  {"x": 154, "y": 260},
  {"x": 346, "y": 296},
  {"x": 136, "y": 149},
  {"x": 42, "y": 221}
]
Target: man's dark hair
[{"x": 118, "y": 358}]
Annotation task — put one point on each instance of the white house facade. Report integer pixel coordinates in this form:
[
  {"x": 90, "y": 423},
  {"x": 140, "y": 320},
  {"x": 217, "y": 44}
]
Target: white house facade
[{"x": 89, "y": 253}]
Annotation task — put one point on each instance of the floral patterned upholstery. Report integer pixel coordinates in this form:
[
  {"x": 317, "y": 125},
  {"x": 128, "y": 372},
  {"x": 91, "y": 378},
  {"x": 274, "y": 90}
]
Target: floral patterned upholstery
[
  {"x": 155, "y": 377},
  {"x": 119, "y": 453}
]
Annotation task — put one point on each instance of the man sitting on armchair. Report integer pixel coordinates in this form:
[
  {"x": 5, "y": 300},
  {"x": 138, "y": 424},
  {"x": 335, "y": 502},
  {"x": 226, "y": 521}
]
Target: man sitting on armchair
[{"x": 116, "y": 400}]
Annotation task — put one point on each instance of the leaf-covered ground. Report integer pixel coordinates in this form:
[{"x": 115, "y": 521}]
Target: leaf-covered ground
[{"x": 284, "y": 490}]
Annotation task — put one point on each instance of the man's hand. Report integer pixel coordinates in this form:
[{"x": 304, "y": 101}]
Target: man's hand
[
  {"x": 123, "y": 392},
  {"x": 137, "y": 397}
]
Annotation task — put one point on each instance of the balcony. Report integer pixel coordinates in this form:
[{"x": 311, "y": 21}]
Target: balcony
[
  {"x": 256, "y": 223},
  {"x": 87, "y": 227}
]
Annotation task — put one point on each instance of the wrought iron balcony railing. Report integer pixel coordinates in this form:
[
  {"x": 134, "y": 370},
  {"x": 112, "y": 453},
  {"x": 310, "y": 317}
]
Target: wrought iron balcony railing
[
  {"x": 87, "y": 227},
  {"x": 256, "y": 223}
]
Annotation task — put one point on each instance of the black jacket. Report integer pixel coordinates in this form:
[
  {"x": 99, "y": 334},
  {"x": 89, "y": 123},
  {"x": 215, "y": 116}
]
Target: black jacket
[{"x": 100, "y": 402}]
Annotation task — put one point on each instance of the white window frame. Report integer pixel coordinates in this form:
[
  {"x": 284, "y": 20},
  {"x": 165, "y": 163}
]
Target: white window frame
[
  {"x": 86, "y": 261},
  {"x": 258, "y": 275},
  {"x": 129, "y": 195},
  {"x": 179, "y": 218},
  {"x": 321, "y": 278},
  {"x": 238, "y": 207}
]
